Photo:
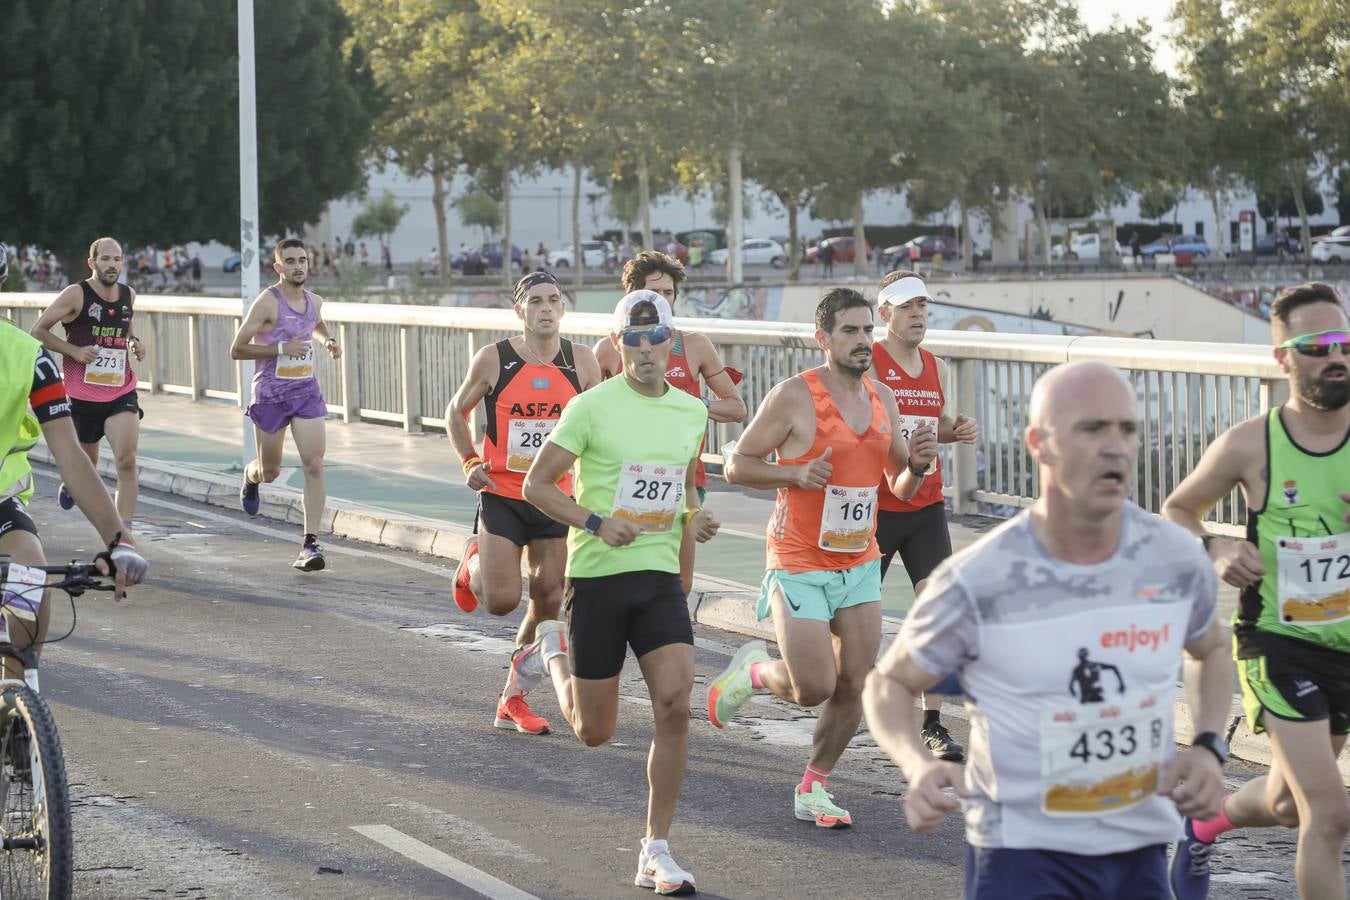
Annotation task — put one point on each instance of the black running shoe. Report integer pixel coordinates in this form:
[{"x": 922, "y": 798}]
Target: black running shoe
[
  {"x": 939, "y": 741},
  {"x": 310, "y": 559}
]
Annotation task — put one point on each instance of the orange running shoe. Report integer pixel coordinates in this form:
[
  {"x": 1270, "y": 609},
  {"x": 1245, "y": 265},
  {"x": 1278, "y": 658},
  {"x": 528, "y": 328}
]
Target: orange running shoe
[
  {"x": 464, "y": 597},
  {"x": 512, "y": 712}
]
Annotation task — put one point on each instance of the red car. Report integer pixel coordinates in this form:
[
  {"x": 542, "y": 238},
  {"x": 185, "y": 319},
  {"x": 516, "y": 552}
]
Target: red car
[{"x": 843, "y": 250}]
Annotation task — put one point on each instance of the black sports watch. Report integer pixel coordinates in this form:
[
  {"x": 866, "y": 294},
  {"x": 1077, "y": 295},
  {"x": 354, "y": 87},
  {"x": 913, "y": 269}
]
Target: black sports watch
[
  {"x": 593, "y": 523},
  {"x": 1213, "y": 743}
]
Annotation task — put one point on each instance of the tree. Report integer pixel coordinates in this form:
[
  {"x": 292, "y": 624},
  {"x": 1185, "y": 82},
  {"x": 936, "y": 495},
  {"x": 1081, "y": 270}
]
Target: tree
[
  {"x": 1082, "y": 112},
  {"x": 1157, "y": 201},
  {"x": 136, "y": 133},
  {"x": 422, "y": 56},
  {"x": 1282, "y": 202},
  {"x": 379, "y": 217},
  {"x": 479, "y": 209}
]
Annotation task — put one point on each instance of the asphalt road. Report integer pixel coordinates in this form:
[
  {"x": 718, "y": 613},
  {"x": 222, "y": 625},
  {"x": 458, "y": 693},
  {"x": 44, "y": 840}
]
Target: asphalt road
[{"x": 239, "y": 729}]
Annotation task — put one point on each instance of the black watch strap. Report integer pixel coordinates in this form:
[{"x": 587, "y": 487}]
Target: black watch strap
[
  {"x": 593, "y": 522},
  {"x": 1213, "y": 743}
]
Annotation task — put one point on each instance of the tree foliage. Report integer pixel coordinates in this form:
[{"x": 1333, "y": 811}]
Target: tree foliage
[{"x": 125, "y": 121}]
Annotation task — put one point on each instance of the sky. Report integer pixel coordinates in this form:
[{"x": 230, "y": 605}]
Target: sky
[{"x": 1098, "y": 13}]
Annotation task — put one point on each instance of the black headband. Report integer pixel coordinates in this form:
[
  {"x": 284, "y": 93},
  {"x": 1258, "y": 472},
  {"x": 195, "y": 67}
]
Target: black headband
[{"x": 534, "y": 278}]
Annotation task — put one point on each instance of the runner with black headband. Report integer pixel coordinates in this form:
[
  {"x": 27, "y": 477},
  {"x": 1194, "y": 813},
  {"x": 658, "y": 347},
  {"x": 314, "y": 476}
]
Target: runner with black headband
[{"x": 526, "y": 381}]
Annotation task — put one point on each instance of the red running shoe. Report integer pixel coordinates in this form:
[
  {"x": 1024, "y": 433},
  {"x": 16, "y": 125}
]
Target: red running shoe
[
  {"x": 464, "y": 597},
  {"x": 512, "y": 712}
]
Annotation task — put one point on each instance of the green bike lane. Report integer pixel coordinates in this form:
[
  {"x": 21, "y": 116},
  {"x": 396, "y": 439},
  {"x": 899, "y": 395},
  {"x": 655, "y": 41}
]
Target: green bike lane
[{"x": 382, "y": 466}]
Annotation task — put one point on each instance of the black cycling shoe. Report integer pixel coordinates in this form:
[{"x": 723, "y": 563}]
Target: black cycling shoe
[{"x": 941, "y": 744}]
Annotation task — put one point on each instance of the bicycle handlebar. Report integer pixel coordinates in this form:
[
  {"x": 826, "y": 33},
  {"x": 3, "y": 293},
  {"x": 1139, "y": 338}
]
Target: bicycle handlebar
[{"x": 76, "y": 577}]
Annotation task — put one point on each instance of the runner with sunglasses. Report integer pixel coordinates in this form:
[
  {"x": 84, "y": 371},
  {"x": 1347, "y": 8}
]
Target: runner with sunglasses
[
  {"x": 525, "y": 382},
  {"x": 693, "y": 363},
  {"x": 633, "y": 441},
  {"x": 1292, "y": 626}
]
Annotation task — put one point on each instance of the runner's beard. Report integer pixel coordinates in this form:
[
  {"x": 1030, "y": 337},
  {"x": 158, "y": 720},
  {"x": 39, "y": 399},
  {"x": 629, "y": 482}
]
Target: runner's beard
[
  {"x": 848, "y": 366},
  {"x": 106, "y": 279},
  {"x": 298, "y": 280},
  {"x": 1321, "y": 393}
]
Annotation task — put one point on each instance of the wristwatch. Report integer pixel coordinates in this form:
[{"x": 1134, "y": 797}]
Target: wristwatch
[
  {"x": 1213, "y": 743},
  {"x": 1207, "y": 539},
  {"x": 593, "y": 522},
  {"x": 919, "y": 472}
]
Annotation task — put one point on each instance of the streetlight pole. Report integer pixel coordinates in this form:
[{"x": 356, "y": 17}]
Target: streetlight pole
[
  {"x": 558, "y": 192},
  {"x": 249, "y": 281}
]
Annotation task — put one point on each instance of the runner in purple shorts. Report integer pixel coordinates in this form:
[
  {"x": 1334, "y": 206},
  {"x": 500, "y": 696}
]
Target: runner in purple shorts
[{"x": 279, "y": 334}]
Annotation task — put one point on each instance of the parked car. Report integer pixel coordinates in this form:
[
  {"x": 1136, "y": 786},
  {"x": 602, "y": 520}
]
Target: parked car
[
  {"x": 928, "y": 246},
  {"x": 1333, "y": 247},
  {"x": 493, "y": 257},
  {"x": 754, "y": 252},
  {"x": 1182, "y": 245},
  {"x": 1082, "y": 247},
  {"x": 595, "y": 254},
  {"x": 231, "y": 264},
  {"x": 843, "y": 250},
  {"x": 1276, "y": 243}
]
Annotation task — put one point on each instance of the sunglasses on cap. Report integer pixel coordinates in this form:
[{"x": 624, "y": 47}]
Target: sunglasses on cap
[
  {"x": 1319, "y": 343},
  {"x": 655, "y": 334}
]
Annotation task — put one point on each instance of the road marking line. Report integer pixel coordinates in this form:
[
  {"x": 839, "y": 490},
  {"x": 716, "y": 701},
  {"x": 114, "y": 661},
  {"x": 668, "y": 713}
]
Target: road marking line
[{"x": 444, "y": 863}]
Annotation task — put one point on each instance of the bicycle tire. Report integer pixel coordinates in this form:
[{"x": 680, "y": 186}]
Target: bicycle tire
[{"x": 46, "y": 871}]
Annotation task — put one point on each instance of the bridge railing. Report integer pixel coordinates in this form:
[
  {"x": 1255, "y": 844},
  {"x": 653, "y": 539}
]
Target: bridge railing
[{"x": 401, "y": 364}]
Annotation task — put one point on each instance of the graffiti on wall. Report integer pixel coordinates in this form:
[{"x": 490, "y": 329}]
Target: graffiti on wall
[
  {"x": 1257, "y": 298},
  {"x": 714, "y": 302}
]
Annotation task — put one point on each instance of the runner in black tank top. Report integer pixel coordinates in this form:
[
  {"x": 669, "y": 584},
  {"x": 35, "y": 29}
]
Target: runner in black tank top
[{"x": 98, "y": 350}]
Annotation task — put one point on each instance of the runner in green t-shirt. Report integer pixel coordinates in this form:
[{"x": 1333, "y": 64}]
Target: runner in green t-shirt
[
  {"x": 1292, "y": 627},
  {"x": 634, "y": 441}
]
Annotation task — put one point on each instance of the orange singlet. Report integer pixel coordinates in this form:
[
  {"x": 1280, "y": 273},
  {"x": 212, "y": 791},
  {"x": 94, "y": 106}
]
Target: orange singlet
[
  {"x": 834, "y": 528},
  {"x": 522, "y": 411}
]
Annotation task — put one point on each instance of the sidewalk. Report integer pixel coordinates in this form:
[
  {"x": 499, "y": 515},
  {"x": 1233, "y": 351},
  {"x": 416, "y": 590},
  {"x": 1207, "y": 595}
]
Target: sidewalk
[{"x": 388, "y": 487}]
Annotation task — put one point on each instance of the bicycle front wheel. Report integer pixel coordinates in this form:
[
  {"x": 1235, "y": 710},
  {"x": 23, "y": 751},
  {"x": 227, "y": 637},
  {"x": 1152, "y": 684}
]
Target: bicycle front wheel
[{"x": 36, "y": 845}]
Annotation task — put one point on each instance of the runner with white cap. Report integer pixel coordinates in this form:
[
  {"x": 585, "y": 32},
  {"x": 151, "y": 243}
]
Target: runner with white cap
[
  {"x": 634, "y": 441},
  {"x": 917, "y": 528}
]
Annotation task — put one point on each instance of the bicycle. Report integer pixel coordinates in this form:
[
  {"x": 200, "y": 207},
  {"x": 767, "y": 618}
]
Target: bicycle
[{"x": 36, "y": 842}]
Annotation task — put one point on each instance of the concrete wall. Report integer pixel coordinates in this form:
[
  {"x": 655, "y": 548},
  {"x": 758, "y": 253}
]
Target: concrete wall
[{"x": 1148, "y": 307}]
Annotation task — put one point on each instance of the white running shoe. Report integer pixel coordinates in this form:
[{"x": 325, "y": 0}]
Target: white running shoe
[{"x": 658, "y": 871}]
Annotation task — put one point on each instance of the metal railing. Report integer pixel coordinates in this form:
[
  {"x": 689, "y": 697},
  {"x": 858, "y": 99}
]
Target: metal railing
[{"x": 401, "y": 365}]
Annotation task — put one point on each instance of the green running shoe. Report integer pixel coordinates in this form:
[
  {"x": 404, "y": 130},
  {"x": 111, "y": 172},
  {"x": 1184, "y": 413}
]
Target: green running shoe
[
  {"x": 732, "y": 687},
  {"x": 818, "y": 806}
]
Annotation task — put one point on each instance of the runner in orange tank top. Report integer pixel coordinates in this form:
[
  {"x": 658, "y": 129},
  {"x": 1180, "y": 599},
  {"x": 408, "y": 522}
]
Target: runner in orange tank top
[
  {"x": 693, "y": 358},
  {"x": 917, "y": 528},
  {"x": 525, "y": 382},
  {"x": 836, "y": 434}
]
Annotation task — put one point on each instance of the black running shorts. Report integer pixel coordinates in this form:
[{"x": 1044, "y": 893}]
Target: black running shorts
[
  {"x": 920, "y": 537},
  {"x": 644, "y": 610},
  {"x": 14, "y": 517},
  {"x": 516, "y": 520},
  {"x": 91, "y": 415}
]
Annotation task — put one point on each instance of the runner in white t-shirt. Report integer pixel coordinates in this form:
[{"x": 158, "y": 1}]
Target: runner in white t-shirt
[{"x": 1067, "y": 626}]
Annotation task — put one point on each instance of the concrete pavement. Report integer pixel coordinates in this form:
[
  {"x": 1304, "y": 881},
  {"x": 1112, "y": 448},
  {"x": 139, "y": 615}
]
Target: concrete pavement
[{"x": 239, "y": 729}]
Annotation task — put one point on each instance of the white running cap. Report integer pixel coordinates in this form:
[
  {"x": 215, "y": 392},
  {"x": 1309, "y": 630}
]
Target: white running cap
[
  {"x": 623, "y": 313},
  {"x": 903, "y": 290}
]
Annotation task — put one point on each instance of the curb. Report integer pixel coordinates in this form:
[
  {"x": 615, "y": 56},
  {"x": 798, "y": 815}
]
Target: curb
[{"x": 713, "y": 602}]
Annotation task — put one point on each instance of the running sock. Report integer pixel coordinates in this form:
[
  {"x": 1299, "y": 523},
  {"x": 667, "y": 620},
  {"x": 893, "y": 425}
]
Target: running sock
[
  {"x": 1209, "y": 831},
  {"x": 309, "y": 539},
  {"x": 512, "y": 686},
  {"x": 755, "y": 681},
  {"x": 931, "y": 717},
  {"x": 813, "y": 776},
  {"x": 654, "y": 846}
]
